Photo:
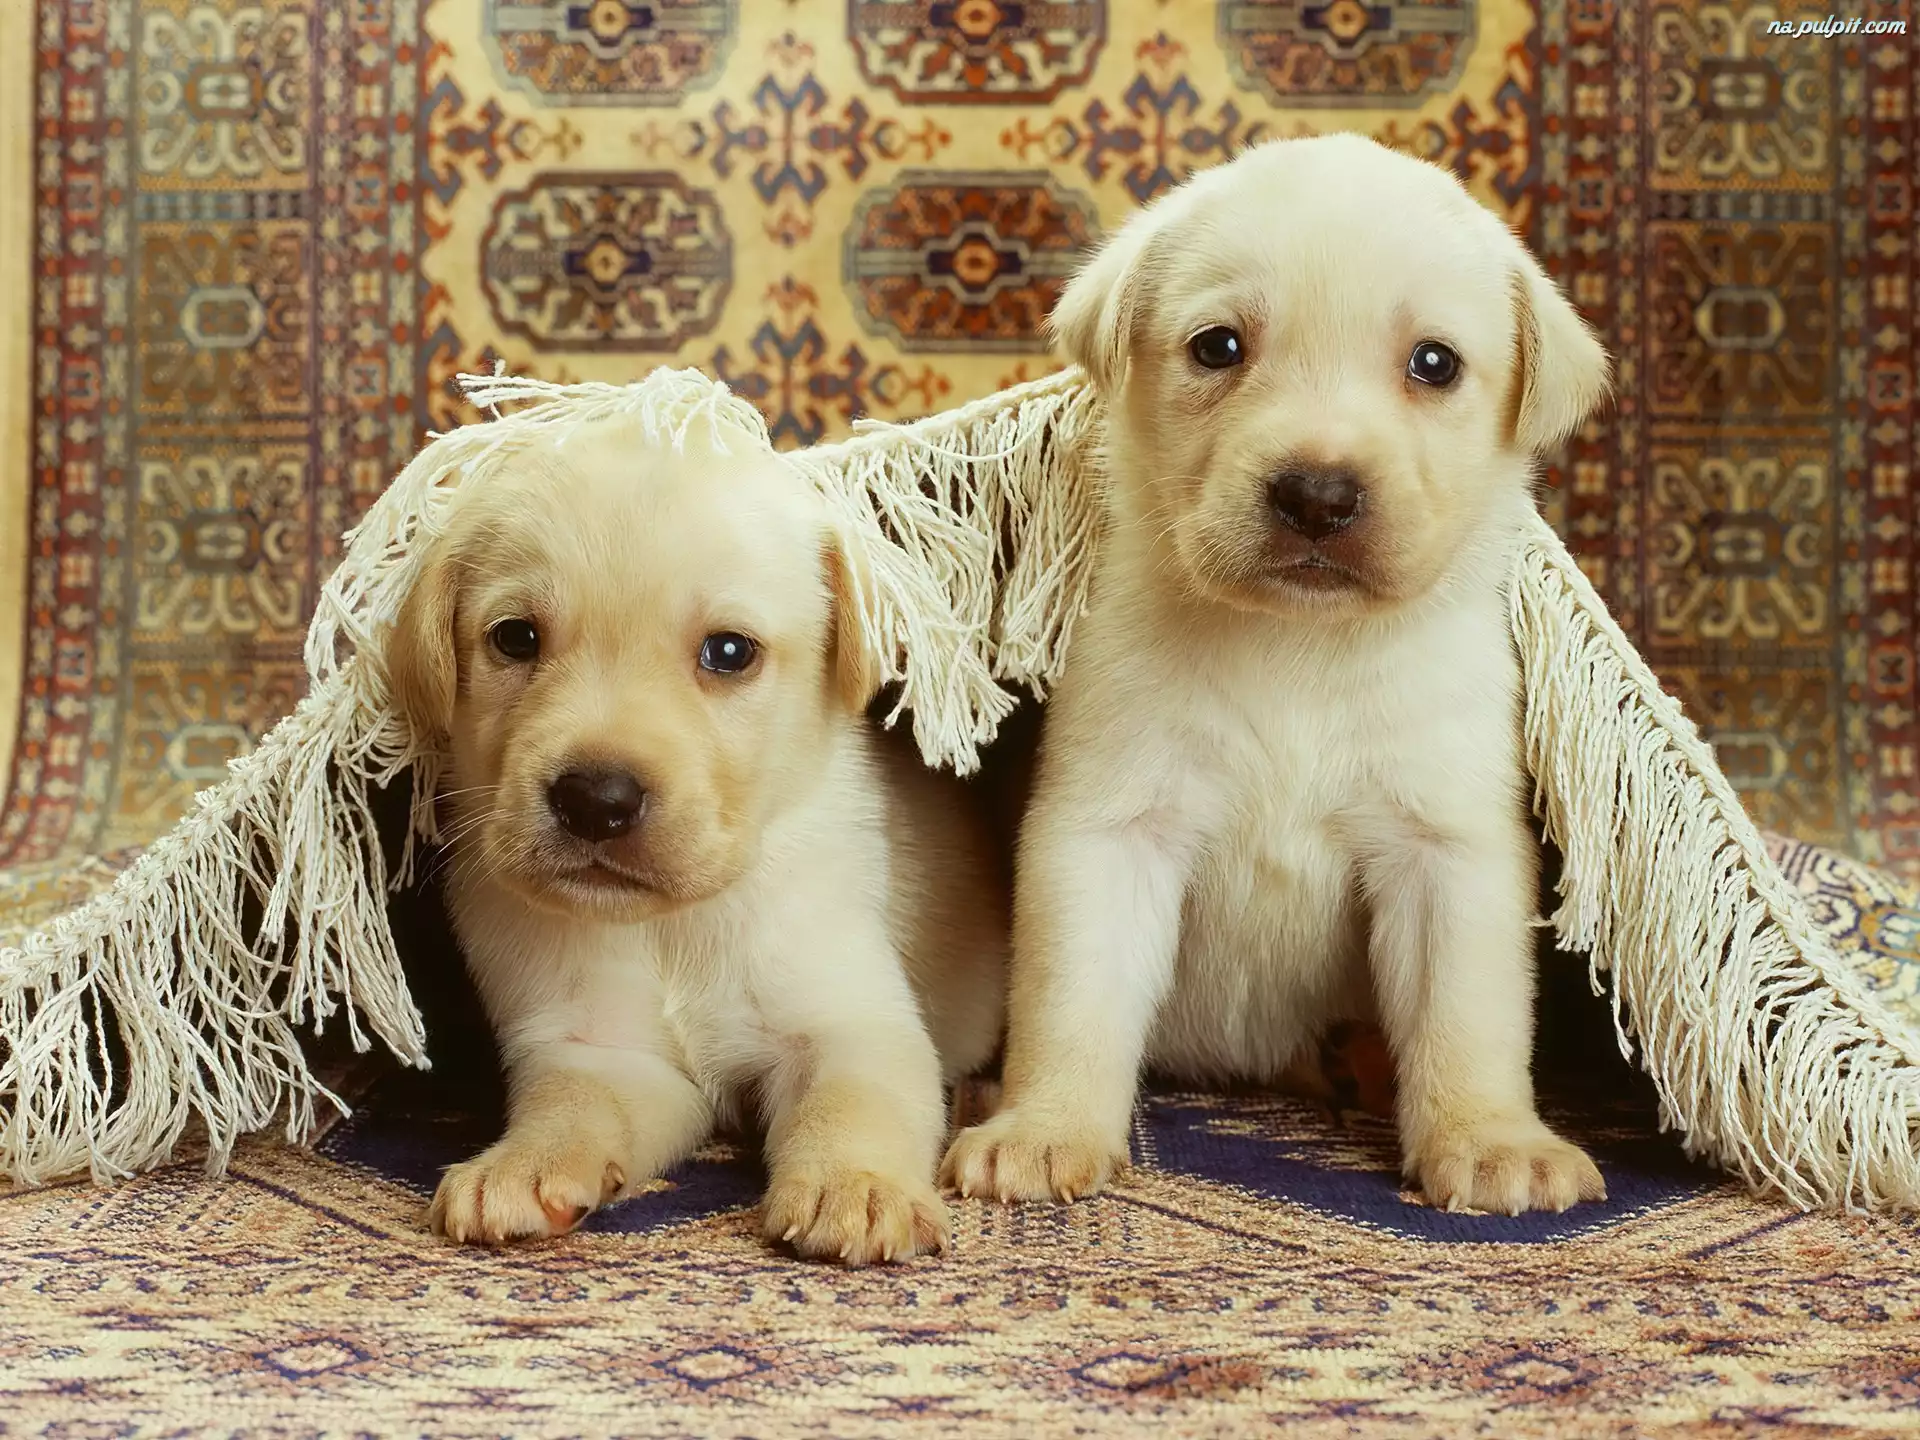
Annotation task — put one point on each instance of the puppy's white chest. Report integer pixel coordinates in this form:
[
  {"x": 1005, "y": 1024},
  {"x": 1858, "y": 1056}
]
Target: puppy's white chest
[
  {"x": 710, "y": 1008},
  {"x": 1271, "y": 941},
  {"x": 1306, "y": 786},
  {"x": 678, "y": 991}
]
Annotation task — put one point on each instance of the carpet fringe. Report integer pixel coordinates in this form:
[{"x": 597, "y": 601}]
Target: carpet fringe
[{"x": 1769, "y": 1055}]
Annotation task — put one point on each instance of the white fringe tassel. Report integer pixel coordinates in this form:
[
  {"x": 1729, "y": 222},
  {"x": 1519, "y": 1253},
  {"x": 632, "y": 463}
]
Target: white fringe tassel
[
  {"x": 977, "y": 529},
  {"x": 1769, "y": 1055}
]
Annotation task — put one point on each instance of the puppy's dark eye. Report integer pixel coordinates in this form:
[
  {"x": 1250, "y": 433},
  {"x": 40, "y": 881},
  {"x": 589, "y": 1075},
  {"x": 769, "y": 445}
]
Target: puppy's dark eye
[
  {"x": 1217, "y": 348},
  {"x": 727, "y": 653},
  {"x": 1434, "y": 364},
  {"x": 514, "y": 640}
]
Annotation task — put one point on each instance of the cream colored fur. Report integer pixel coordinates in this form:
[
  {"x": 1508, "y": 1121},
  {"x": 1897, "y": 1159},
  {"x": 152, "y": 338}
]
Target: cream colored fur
[
  {"x": 803, "y": 930},
  {"x": 1281, "y": 782}
]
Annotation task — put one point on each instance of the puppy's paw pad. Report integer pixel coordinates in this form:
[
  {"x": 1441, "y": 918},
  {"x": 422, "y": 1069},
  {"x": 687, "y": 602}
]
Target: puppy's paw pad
[
  {"x": 520, "y": 1191},
  {"x": 1011, "y": 1158},
  {"x": 1506, "y": 1174},
  {"x": 858, "y": 1217}
]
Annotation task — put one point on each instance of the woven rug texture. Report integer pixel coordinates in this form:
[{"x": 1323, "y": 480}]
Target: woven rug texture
[{"x": 258, "y": 238}]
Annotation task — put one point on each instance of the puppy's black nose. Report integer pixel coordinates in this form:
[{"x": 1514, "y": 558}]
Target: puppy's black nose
[
  {"x": 1316, "y": 501},
  {"x": 596, "y": 804}
]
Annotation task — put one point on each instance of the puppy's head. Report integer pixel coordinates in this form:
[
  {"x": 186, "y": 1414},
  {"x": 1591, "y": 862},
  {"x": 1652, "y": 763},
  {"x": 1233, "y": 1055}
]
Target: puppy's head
[
  {"x": 637, "y": 656},
  {"x": 1328, "y": 370}
]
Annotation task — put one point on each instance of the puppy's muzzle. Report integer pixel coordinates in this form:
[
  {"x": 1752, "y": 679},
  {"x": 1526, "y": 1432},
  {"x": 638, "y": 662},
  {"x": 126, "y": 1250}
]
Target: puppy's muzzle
[
  {"x": 1316, "y": 502},
  {"x": 597, "y": 804}
]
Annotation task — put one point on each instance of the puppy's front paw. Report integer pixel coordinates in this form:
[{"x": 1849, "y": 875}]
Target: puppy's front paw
[
  {"x": 1504, "y": 1169},
  {"x": 1013, "y": 1158},
  {"x": 856, "y": 1216},
  {"x": 521, "y": 1189}
]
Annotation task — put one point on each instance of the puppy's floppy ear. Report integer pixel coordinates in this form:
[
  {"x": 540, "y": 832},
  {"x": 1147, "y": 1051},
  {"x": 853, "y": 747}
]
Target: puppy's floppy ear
[
  {"x": 855, "y": 674},
  {"x": 1562, "y": 371},
  {"x": 423, "y": 671},
  {"x": 1093, "y": 321}
]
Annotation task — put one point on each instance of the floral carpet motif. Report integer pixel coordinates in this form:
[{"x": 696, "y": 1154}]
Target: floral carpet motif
[{"x": 269, "y": 232}]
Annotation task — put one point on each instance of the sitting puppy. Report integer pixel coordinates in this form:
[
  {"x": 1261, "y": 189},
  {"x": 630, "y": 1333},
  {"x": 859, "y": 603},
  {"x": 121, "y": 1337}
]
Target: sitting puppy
[
  {"x": 693, "y": 886},
  {"x": 1281, "y": 782}
]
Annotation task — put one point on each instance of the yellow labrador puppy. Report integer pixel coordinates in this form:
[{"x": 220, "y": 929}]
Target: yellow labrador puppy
[
  {"x": 1281, "y": 783},
  {"x": 692, "y": 885}
]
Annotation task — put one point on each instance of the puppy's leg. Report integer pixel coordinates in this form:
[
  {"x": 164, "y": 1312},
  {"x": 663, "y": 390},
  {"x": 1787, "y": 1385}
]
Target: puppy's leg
[
  {"x": 1453, "y": 966},
  {"x": 582, "y": 1127},
  {"x": 854, "y": 1125},
  {"x": 1096, "y": 927}
]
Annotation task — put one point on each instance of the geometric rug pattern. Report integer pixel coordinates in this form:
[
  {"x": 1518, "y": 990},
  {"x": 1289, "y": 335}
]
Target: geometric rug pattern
[{"x": 1259, "y": 1268}]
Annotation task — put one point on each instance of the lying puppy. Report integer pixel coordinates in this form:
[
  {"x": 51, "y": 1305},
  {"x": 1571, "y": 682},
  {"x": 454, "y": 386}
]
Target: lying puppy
[
  {"x": 692, "y": 885},
  {"x": 1281, "y": 782}
]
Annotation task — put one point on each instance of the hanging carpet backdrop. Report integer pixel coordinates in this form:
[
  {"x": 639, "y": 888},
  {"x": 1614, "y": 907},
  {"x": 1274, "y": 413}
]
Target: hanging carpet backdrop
[{"x": 264, "y": 237}]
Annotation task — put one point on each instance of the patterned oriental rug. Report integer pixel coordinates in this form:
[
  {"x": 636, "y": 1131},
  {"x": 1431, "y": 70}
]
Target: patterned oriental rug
[
  {"x": 265, "y": 234},
  {"x": 1259, "y": 1271}
]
